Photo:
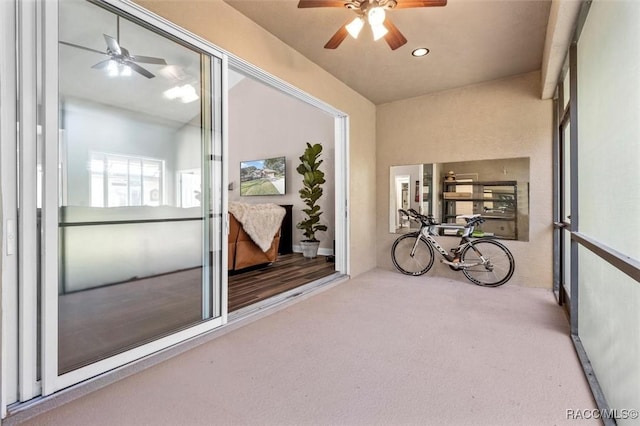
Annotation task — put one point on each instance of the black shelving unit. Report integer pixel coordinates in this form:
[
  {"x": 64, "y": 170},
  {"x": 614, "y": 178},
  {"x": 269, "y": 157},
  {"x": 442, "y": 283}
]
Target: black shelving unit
[
  {"x": 286, "y": 232},
  {"x": 496, "y": 201}
]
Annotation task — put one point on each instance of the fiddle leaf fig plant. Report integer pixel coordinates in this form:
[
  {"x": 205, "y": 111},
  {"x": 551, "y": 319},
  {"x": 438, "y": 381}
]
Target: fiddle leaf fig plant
[{"x": 311, "y": 192}]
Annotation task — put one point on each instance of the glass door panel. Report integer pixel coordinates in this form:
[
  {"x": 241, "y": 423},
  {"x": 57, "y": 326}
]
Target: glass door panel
[{"x": 135, "y": 246}]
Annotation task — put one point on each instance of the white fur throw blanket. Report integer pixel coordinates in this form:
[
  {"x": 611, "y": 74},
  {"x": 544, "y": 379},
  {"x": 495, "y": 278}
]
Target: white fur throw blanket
[{"x": 260, "y": 221}]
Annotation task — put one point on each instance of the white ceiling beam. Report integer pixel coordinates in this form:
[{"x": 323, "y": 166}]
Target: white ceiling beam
[{"x": 563, "y": 17}]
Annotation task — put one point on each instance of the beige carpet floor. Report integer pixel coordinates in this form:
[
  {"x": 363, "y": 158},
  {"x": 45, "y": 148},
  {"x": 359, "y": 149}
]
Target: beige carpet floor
[{"x": 381, "y": 349}]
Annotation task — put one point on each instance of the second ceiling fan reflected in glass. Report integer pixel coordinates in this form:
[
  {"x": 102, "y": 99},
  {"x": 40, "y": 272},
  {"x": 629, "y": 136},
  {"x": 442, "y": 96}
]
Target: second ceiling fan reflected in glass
[{"x": 120, "y": 61}]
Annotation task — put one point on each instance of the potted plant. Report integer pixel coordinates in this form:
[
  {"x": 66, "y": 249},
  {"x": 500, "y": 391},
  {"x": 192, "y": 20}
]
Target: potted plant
[{"x": 312, "y": 180}]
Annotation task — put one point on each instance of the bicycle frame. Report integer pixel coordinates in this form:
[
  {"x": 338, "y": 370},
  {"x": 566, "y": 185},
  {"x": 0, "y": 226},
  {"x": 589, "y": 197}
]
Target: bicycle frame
[{"x": 427, "y": 233}]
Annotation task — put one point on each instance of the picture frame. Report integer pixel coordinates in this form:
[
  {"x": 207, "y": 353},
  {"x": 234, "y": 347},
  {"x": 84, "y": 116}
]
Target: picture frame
[{"x": 263, "y": 177}]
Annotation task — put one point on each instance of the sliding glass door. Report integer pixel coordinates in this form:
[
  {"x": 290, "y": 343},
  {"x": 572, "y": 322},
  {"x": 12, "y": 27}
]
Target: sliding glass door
[
  {"x": 130, "y": 178},
  {"x": 113, "y": 167}
]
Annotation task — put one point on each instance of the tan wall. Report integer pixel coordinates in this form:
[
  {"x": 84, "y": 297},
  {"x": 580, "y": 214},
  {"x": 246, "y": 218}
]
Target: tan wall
[
  {"x": 497, "y": 119},
  {"x": 217, "y": 22}
]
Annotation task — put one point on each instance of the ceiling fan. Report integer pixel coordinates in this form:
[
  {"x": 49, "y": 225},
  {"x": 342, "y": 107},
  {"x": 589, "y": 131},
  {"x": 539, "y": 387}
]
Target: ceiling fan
[
  {"x": 120, "y": 61},
  {"x": 372, "y": 11}
]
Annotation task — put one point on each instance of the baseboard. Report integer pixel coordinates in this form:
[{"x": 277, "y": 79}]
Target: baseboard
[{"x": 321, "y": 251}]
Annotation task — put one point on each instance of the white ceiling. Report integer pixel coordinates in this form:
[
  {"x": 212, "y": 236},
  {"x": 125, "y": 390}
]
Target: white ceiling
[
  {"x": 84, "y": 24},
  {"x": 471, "y": 41}
]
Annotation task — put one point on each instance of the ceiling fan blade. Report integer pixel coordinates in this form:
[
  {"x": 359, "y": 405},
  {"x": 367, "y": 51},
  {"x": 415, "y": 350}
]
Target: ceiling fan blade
[
  {"x": 137, "y": 68},
  {"x": 337, "y": 38},
  {"x": 81, "y": 47},
  {"x": 320, "y": 3},
  {"x": 101, "y": 64},
  {"x": 149, "y": 60},
  {"x": 112, "y": 44},
  {"x": 394, "y": 37},
  {"x": 404, "y": 4}
]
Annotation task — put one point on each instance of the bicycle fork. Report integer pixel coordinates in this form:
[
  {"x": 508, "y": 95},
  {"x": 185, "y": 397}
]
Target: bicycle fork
[{"x": 484, "y": 262}]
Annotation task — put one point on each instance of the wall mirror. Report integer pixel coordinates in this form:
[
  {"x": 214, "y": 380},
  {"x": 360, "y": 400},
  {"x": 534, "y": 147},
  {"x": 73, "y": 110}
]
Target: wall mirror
[{"x": 498, "y": 189}]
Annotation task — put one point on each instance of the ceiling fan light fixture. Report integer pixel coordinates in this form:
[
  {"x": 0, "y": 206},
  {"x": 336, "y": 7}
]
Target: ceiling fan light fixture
[
  {"x": 118, "y": 69},
  {"x": 355, "y": 26},
  {"x": 376, "y": 16},
  {"x": 373, "y": 12},
  {"x": 112, "y": 69},
  {"x": 379, "y": 31}
]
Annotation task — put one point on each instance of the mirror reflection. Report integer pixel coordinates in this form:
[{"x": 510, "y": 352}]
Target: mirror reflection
[
  {"x": 497, "y": 189},
  {"x": 136, "y": 260}
]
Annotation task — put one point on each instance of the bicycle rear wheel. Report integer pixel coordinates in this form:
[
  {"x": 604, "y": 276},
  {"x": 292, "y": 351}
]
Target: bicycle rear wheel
[
  {"x": 418, "y": 263},
  {"x": 494, "y": 264}
]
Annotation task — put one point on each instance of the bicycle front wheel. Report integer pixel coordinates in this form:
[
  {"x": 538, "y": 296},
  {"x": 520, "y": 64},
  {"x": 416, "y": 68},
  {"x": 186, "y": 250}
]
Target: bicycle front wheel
[
  {"x": 491, "y": 263},
  {"x": 412, "y": 255}
]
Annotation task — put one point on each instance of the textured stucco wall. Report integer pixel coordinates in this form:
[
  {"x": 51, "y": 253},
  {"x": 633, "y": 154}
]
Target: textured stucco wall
[
  {"x": 225, "y": 27},
  {"x": 499, "y": 119}
]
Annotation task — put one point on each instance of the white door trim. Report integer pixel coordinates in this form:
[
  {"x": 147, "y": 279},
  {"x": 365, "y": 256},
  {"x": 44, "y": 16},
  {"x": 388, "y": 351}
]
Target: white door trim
[{"x": 9, "y": 208}]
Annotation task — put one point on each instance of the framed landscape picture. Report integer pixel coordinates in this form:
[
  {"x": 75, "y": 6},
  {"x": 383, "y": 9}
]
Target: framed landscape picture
[{"x": 263, "y": 177}]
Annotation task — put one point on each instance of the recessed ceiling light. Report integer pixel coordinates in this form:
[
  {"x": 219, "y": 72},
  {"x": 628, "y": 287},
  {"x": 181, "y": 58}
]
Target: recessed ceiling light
[{"x": 421, "y": 51}]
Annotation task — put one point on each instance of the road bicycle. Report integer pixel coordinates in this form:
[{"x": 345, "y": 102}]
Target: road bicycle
[{"x": 484, "y": 261}]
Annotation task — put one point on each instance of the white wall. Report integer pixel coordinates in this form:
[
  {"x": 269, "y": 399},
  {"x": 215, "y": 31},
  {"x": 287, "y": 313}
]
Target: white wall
[
  {"x": 265, "y": 123},
  {"x": 189, "y": 146},
  {"x": 89, "y": 253},
  {"x": 609, "y": 195},
  {"x": 90, "y": 127},
  {"x": 497, "y": 119}
]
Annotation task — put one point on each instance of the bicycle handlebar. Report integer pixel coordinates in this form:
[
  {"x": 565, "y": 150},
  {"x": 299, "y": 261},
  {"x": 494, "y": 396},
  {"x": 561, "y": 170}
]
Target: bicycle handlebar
[{"x": 412, "y": 214}]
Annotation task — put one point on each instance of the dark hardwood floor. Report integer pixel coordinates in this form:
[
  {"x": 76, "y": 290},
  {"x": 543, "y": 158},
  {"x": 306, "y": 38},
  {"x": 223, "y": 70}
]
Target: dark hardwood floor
[
  {"x": 288, "y": 272},
  {"x": 101, "y": 322},
  {"x": 97, "y": 323}
]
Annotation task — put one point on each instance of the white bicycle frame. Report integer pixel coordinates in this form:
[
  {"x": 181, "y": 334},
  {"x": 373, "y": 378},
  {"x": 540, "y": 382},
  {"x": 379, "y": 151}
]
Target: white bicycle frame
[{"x": 427, "y": 232}]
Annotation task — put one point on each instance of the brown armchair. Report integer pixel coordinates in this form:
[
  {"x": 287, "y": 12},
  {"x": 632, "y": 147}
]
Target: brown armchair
[{"x": 243, "y": 252}]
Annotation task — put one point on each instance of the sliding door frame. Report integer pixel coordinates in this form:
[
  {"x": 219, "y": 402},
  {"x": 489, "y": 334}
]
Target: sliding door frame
[
  {"x": 51, "y": 380},
  {"x": 8, "y": 205},
  {"x": 38, "y": 372},
  {"x": 341, "y": 170}
]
